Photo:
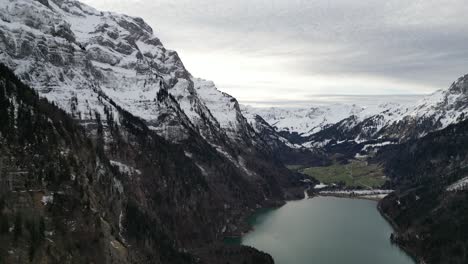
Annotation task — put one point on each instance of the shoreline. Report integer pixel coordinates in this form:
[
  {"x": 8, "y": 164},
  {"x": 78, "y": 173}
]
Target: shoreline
[
  {"x": 395, "y": 227},
  {"x": 417, "y": 259},
  {"x": 248, "y": 227},
  {"x": 346, "y": 196},
  {"x": 408, "y": 251},
  {"x": 243, "y": 224},
  {"x": 373, "y": 195},
  {"x": 245, "y": 227},
  {"x": 244, "y": 221}
]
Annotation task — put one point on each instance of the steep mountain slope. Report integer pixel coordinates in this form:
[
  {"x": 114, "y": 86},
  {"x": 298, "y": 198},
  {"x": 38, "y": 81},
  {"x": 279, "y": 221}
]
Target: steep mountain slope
[
  {"x": 89, "y": 62},
  {"x": 429, "y": 208},
  {"x": 83, "y": 59},
  {"x": 193, "y": 167},
  {"x": 62, "y": 199},
  {"x": 282, "y": 148},
  {"x": 70, "y": 53}
]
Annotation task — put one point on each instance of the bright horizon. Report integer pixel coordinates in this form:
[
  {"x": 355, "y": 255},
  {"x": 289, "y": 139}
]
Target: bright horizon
[{"x": 296, "y": 53}]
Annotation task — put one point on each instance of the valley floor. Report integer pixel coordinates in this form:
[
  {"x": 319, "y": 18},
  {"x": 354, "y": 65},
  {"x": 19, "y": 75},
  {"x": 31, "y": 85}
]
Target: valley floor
[
  {"x": 356, "y": 173},
  {"x": 374, "y": 194}
]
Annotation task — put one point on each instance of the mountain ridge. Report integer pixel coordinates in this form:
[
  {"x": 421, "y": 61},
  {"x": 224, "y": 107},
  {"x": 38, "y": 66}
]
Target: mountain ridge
[
  {"x": 314, "y": 127},
  {"x": 82, "y": 55},
  {"x": 193, "y": 164}
]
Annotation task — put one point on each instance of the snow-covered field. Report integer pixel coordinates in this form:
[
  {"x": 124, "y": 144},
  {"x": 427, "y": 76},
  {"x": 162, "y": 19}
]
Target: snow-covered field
[{"x": 367, "y": 194}]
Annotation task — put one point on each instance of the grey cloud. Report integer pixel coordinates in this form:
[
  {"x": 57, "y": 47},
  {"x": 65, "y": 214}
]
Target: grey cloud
[
  {"x": 317, "y": 100},
  {"x": 419, "y": 43}
]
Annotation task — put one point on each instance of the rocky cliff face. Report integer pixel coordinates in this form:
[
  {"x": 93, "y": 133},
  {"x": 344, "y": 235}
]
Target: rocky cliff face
[
  {"x": 71, "y": 53},
  {"x": 192, "y": 166}
]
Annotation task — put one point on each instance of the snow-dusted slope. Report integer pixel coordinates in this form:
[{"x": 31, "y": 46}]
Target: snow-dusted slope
[
  {"x": 460, "y": 185},
  {"x": 308, "y": 121},
  {"x": 110, "y": 73},
  {"x": 319, "y": 126},
  {"x": 92, "y": 64},
  {"x": 444, "y": 107},
  {"x": 225, "y": 109},
  {"x": 75, "y": 56},
  {"x": 72, "y": 54},
  {"x": 433, "y": 112}
]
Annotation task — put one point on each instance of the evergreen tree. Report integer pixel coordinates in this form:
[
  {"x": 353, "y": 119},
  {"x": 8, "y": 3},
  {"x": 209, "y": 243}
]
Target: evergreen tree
[
  {"x": 4, "y": 224},
  {"x": 18, "y": 226}
]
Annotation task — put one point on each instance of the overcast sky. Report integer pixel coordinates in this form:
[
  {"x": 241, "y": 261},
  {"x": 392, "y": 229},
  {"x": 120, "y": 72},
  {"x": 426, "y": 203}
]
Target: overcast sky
[{"x": 295, "y": 51}]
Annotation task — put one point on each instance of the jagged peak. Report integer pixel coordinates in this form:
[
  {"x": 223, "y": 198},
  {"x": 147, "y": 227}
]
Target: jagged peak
[
  {"x": 82, "y": 49},
  {"x": 460, "y": 86},
  {"x": 392, "y": 120}
]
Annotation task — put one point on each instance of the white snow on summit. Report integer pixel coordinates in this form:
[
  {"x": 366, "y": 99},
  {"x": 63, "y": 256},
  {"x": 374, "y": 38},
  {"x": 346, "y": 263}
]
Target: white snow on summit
[
  {"x": 460, "y": 185},
  {"x": 394, "y": 120},
  {"x": 75, "y": 56},
  {"x": 307, "y": 121}
]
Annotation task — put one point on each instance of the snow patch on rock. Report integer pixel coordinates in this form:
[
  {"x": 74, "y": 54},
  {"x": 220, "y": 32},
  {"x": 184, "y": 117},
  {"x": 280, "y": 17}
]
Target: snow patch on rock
[{"x": 460, "y": 185}]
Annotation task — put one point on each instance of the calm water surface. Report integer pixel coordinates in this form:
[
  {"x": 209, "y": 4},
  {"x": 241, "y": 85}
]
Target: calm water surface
[{"x": 325, "y": 230}]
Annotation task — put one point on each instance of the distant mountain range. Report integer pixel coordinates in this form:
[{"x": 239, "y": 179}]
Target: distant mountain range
[
  {"x": 423, "y": 148},
  {"x": 392, "y": 122}
]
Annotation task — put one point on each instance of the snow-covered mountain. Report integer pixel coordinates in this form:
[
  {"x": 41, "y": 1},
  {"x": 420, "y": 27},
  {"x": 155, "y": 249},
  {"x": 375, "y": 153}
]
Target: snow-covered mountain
[
  {"x": 433, "y": 112},
  {"x": 319, "y": 126},
  {"x": 308, "y": 121},
  {"x": 72, "y": 53},
  {"x": 90, "y": 62},
  {"x": 146, "y": 112}
]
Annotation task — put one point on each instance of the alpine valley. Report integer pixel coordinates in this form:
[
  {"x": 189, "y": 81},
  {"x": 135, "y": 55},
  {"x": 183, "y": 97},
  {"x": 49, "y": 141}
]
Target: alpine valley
[
  {"x": 148, "y": 165},
  {"x": 421, "y": 149},
  {"x": 112, "y": 152}
]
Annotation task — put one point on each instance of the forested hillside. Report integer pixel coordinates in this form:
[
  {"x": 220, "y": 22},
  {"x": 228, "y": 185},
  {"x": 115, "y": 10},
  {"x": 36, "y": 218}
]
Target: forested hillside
[
  {"x": 430, "y": 206},
  {"x": 63, "y": 200}
]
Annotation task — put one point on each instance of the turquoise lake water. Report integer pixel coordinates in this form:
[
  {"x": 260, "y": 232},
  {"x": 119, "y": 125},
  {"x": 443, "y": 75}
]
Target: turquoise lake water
[{"x": 325, "y": 230}]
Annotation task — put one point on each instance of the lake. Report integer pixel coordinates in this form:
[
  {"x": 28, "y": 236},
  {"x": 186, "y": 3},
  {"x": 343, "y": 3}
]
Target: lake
[{"x": 325, "y": 230}]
